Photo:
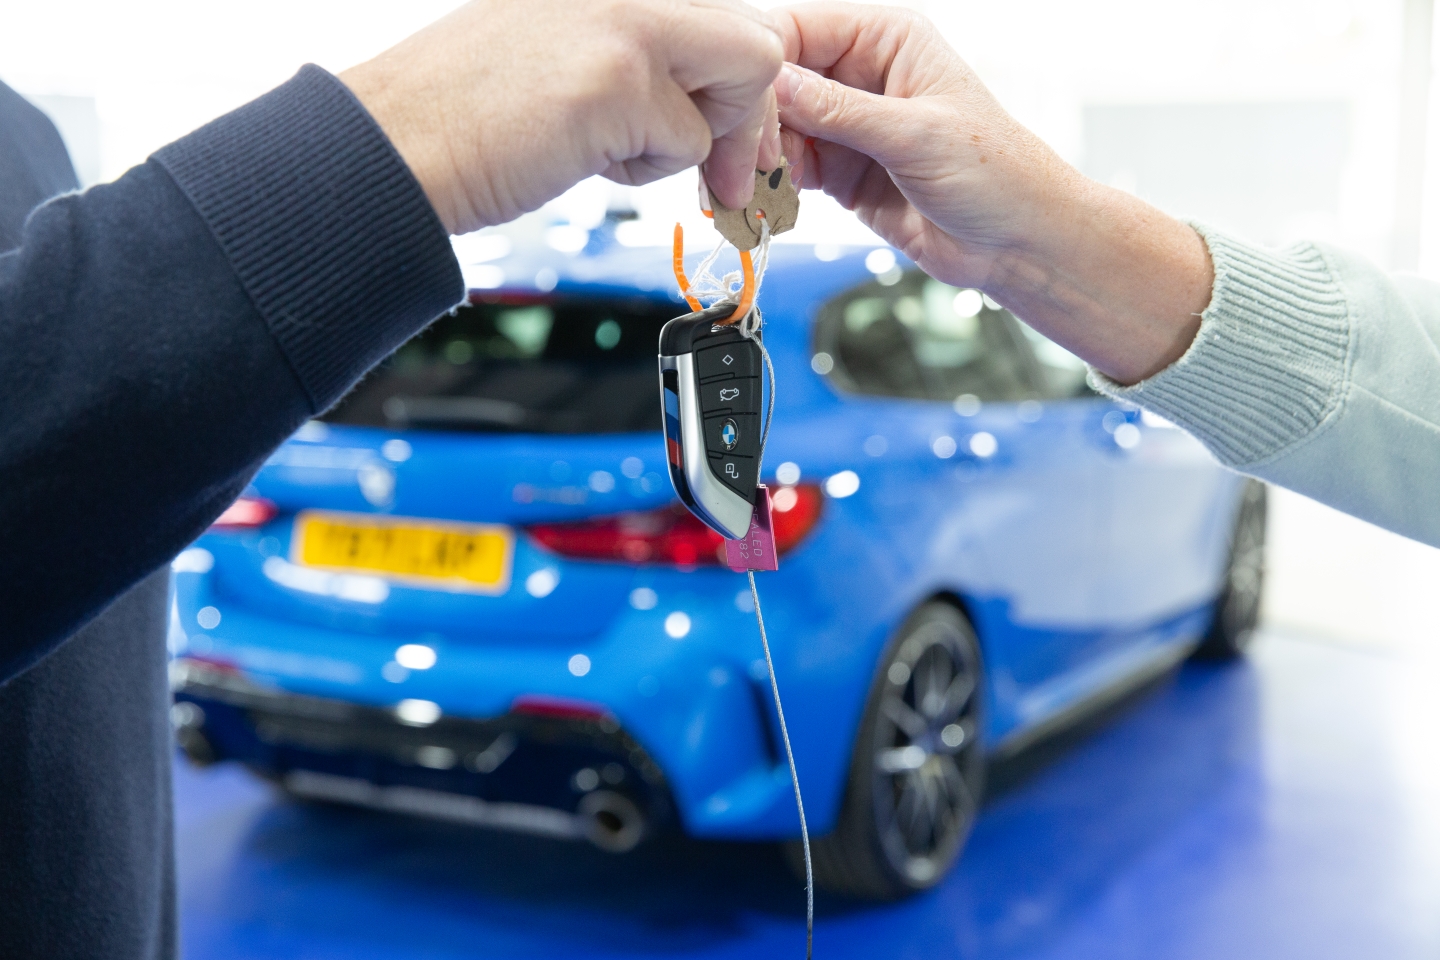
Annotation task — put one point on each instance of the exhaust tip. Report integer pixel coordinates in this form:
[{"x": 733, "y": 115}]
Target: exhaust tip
[
  {"x": 611, "y": 821},
  {"x": 187, "y": 720}
]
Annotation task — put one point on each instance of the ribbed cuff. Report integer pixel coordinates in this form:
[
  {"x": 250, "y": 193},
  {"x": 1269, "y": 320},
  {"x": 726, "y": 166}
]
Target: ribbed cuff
[
  {"x": 1270, "y": 362},
  {"x": 326, "y": 227}
]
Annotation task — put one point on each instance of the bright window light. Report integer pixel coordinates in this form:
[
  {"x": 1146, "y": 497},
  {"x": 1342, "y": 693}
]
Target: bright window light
[
  {"x": 842, "y": 484},
  {"x": 415, "y": 656}
]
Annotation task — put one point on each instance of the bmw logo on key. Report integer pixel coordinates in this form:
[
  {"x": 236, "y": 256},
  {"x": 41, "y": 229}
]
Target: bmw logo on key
[{"x": 729, "y": 434}]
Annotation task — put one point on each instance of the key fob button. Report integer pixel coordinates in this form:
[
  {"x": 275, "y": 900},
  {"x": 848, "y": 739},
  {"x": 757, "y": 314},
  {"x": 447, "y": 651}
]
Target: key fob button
[
  {"x": 739, "y": 396},
  {"x": 733, "y": 434},
  {"x": 738, "y": 473},
  {"x": 738, "y": 359}
]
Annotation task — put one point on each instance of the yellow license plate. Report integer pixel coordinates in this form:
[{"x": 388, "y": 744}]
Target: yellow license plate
[{"x": 449, "y": 556}]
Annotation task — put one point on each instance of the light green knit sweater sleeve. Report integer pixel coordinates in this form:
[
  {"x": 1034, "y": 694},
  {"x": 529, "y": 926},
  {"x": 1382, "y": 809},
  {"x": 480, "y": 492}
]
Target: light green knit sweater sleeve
[{"x": 1317, "y": 371}]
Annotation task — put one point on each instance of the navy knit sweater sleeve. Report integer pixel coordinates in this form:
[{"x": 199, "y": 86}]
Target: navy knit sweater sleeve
[{"x": 160, "y": 335}]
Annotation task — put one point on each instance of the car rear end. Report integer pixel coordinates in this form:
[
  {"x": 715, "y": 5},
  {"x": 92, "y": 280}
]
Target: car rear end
[{"x": 468, "y": 592}]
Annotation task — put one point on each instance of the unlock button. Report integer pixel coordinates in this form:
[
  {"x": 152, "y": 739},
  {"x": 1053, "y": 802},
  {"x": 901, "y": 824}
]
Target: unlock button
[{"x": 738, "y": 473}]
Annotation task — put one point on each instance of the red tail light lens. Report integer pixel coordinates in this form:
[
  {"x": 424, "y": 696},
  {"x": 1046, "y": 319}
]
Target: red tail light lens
[
  {"x": 245, "y": 512},
  {"x": 558, "y": 708},
  {"x": 672, "y": 535},
  {"x": 194, "y": 661},
  {"x": 668, "y": 535},
  {"x": 794, "y": 513}
]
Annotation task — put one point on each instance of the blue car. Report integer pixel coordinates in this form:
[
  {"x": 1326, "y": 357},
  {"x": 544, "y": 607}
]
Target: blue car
[{"x": 469, "y": 591}]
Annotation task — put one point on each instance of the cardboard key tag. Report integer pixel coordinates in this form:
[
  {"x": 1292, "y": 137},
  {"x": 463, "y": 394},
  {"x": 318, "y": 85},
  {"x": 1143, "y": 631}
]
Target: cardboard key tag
[
  {"x": 775, "y": 198},
  {"x": 757, "y": 550}
]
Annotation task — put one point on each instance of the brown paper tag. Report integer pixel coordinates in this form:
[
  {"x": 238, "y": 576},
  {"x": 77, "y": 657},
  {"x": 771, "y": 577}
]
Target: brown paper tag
[{"x": 775, "y": 196}]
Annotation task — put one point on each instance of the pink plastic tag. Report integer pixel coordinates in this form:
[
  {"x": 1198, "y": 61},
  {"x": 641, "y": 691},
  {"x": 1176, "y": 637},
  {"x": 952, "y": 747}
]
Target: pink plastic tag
[{"x": 757, "y": 550}]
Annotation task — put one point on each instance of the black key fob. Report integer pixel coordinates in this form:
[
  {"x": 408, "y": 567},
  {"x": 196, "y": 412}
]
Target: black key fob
[{"x": 710, "y": 391}]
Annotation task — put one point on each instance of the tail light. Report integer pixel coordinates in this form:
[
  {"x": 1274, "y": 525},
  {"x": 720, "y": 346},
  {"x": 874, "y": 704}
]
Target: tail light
[
  {"x": 672, "y": 535},
  {"x": 558, "y": 708},
  {"x": 193, "y": 662},
  {"x": 245, "y": 512},
  {"x": 794, "y": 513}
]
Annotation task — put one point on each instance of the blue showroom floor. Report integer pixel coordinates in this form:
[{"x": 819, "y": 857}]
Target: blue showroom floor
[{"x": 1288, "y": 807}]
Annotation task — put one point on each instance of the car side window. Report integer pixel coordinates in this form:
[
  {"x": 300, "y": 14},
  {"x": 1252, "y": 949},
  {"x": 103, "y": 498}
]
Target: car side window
[
  {"x": 917, "y": 337},
  {"x": 1062, "y": 374}
]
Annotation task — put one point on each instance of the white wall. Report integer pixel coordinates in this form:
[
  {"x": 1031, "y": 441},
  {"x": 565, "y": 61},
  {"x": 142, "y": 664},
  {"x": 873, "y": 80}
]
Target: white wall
[
  {"x": 1335, "y": 578},
  {"x": 157, "y": 68},
  {"x": 79, "y": 124}
]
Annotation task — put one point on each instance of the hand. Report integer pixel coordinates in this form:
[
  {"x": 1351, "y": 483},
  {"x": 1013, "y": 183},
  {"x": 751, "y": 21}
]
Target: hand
[
  {"x": 501, "y": 106},
  {"x": 887, "y": 118}
]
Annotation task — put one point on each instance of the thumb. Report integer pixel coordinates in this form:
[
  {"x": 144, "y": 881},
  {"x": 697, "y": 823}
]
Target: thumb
[{"x": 818, "y": 107}]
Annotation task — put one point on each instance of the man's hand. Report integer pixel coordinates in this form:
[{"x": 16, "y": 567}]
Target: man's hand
[
  {"x": 501, "y": 106},
  {"x": 883, "y": 115}
]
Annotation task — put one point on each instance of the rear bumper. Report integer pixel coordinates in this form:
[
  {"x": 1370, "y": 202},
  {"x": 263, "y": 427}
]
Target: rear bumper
[
  {"x": 695, "y": 709},
  {"x": 548, "y": 775}
]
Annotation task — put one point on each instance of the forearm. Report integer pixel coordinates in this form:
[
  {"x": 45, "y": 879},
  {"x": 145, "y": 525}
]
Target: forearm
[
  {"x": 1107, "y": 276},
  {"x": 1310, "y": 368},
  {"x": 1317, "y": 371},
  {"x": 164, "y": 333}
]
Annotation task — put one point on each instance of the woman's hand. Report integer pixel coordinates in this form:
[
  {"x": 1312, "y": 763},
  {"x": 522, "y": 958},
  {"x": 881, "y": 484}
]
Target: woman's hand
[{"x": 886, "y": 117}]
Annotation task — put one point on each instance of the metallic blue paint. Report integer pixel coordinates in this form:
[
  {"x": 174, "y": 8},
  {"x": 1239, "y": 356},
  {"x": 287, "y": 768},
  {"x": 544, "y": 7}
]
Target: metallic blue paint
[{"x": 1079, "y": 562}]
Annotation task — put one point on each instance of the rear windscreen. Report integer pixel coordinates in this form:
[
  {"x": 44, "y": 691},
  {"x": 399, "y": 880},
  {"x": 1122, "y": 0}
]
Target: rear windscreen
[{"x": 558, "y": 365}]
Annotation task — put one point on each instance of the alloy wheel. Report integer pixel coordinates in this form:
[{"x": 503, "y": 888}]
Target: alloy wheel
[
  {"x": 1247, "y": 566},
  {"x": 926, "y": 748}
]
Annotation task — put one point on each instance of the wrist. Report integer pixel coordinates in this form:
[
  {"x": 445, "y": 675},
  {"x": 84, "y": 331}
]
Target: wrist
[
  {"x": 1108, "y": 276},
  {"x": 381, "y": 89}
]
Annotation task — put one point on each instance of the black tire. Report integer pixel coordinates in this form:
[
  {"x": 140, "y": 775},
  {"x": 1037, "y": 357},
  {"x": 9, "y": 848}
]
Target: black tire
[
  {"x": 1237, "y": 609},
  {"x": 918, "y": 749}
]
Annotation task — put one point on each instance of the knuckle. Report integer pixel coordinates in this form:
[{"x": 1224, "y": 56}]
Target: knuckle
[
  {"x": 622, "y": 35},
  {"x": 619, "y": 70},
  {"x": 640, "y": 22},
  {"x": 835, "y": 107},
  {"x": 770, "y": 49},
  {"x": 695, "y": 139},
  {"x": 910, "y": 20}
]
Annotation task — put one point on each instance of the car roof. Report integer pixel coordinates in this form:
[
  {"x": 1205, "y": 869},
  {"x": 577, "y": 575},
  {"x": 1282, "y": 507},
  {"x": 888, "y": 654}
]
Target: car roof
[{"x": 797, "y": 278}]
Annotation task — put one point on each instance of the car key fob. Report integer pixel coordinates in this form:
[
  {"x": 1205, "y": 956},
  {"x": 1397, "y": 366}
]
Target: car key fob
[{"x": 710, "y": 392}]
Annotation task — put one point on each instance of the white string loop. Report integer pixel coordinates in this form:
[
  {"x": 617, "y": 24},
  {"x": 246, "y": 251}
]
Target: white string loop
[{"x": 705, "y": 286}]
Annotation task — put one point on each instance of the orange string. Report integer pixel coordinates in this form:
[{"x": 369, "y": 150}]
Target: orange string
[
  {"x": 680, "y": 269},
  {"x": 747, "y": 291},
  {"x": 747, "y": 267}
]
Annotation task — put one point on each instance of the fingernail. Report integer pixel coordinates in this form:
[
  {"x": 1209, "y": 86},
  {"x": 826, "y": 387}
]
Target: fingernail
[
  {"x": 772, "y": 146},
  {"x": 787, "y": 84}
]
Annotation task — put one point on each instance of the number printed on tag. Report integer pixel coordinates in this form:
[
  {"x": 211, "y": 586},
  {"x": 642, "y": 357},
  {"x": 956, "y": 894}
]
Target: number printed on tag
[{"x": 757, "y": 550}]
